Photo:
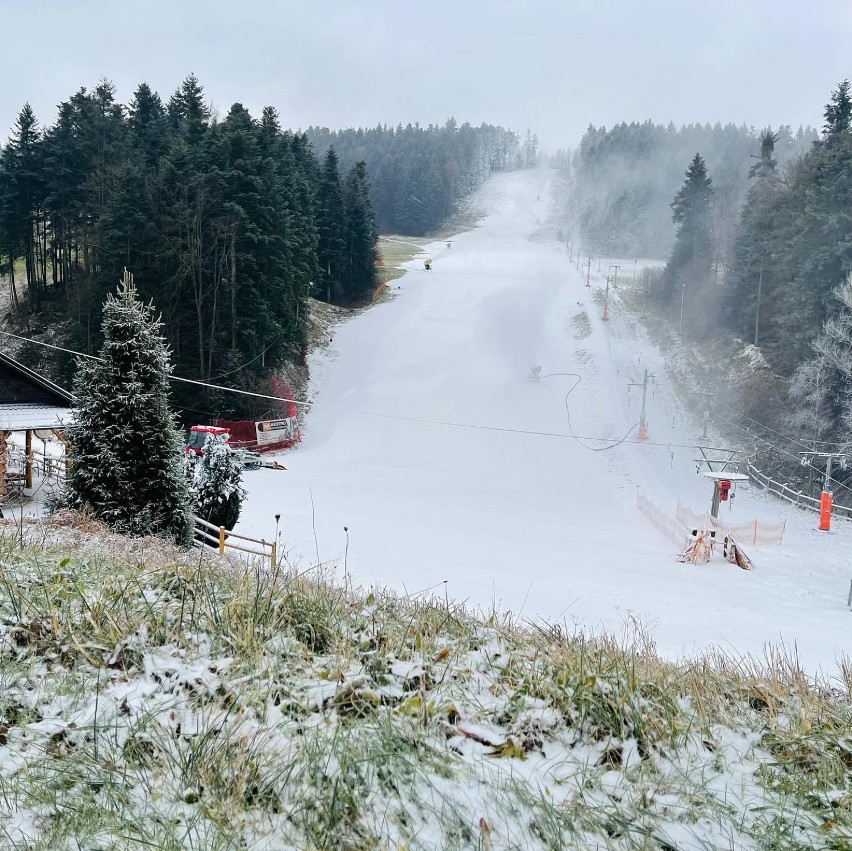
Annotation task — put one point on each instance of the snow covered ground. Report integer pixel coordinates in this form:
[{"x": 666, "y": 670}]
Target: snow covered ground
[{"x": 446, "y": 465}]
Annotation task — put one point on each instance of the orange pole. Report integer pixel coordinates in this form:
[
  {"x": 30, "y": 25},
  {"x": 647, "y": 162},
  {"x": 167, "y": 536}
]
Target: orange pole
[{"x": 825, "y": 511}]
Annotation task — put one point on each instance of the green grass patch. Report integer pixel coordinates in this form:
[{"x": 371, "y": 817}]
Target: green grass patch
[
  {"x": 394, "y": 251},
  {"x": 152, "y": 698}
]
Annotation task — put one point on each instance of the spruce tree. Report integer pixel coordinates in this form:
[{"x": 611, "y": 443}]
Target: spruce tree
[
  {"x": 23, "y": 213},
  {"x": 838, "y": 111},
  {"x": 687, "y": 272},
  {"x": 331, "y": 226},
  {"x": 361, "y": 235},
  {"x": 755, "y": 270},
  {"x": 125, "y": 447},
  {"x": 216, "y": 483}
]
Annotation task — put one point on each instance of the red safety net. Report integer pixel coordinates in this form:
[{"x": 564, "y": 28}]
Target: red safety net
[{"x": 244, "y": 432}]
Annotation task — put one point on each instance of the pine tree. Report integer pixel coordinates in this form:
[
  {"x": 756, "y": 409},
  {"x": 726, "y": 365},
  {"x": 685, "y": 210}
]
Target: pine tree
[
  {"x": 23, "y": 219},
  {"x": 757, "y": 255},
  {"x": 816, "y": 229},
  {"x": 187, "y": 111},
  {"x": 361, "y": 235},
  {"x": 687, "y": 272},
  {"x": 331, "y": 221},
  {"x": 147, "y": 125},
  {"x": 216, "y": 487},
  {"x": 125, "y": 448},
  {"x": 838, "y": 111}
]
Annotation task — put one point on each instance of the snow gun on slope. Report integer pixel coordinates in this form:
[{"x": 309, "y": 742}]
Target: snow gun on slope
[{"x": 249, "y": 458}]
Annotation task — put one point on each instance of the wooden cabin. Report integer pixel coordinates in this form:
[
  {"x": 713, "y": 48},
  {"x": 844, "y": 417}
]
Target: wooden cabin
[{"x": 31, "y": 406}]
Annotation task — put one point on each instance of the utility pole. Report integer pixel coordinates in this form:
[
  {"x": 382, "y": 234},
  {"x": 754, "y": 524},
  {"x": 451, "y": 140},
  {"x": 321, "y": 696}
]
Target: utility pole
[
  {"x": 682, "y": 295},
  {"x": 643, "y": 423},
  {"x": 606, "y": 300},
  {"x": 825, "y": 497},
  {"x": 588, "y": 271}
]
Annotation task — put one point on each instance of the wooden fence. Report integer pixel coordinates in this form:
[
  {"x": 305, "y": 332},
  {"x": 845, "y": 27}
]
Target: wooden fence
[
  {"x": 791, "y": 495},
  {"x": 222, "y": 539}
]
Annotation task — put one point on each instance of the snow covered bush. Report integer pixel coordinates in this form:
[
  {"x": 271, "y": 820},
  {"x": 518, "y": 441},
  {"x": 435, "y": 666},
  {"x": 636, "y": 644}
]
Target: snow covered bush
[
  {"x": 125, "y": 447},
  {"x": 216, "y": 487}
]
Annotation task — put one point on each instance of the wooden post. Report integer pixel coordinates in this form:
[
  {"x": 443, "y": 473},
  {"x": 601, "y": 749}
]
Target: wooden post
[
  {"x": 28, "y": 463},
  {"x": 273, "y": 556},
  {"x": 221, "y": 540}
]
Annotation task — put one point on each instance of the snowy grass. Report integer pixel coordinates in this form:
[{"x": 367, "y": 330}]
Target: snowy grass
[
  {"x": 154, "y": 699},
  {"x": 394, "y": 251}
]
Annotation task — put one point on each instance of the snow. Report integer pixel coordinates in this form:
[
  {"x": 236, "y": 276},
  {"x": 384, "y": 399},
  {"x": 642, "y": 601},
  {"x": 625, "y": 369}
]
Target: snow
[{"x": 419, "y": 444}]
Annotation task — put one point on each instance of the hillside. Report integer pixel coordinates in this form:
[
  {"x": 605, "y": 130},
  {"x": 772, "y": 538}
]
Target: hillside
[
  {"x": 158, "y": 699},
  {"x": 444, "y": 463}
]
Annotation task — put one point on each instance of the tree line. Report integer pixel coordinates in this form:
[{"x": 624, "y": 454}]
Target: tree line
[
  {"x": 625, "y": 177},
  {"x": 227, "y": 224},
  {"x": 784, "y": 289},
  {"x": 419, "y": 174}
]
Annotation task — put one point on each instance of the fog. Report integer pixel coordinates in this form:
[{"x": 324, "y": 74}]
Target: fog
[{"x": 552, "y": 66}]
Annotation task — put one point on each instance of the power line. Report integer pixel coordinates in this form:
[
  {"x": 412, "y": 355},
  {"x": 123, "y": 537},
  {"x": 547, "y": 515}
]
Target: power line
[
  {"x": 241, "y": 392},
  {"x": 772, "y": 446},
  {"x": 171, "y": 377},
  {"x": 508, "y": 430},
  {"x": 794, "y": 439},
  {"x": 615, "y": 441},
  {"x": 49, "y": 346}
]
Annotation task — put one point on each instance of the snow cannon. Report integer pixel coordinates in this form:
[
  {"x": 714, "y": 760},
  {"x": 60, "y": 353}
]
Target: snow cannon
[{"x": 722, "y": 486}]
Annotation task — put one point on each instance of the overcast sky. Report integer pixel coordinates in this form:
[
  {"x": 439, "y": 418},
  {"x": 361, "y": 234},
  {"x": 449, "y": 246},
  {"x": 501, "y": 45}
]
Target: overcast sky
[{"x": 553, "y": 65}]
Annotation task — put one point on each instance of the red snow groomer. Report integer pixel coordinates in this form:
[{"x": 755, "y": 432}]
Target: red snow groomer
[
  {"x": 253, "y": 436},
  {"x": 198, "y": 435}
]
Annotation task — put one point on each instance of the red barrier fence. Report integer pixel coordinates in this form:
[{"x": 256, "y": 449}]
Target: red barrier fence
[{"x": 276, "y": 433}]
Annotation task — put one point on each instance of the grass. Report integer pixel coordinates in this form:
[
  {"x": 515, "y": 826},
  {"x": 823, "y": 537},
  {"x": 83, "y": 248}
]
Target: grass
[
  {"x": 158, "y": 699},
  {"x": 394, "y": 251},
  {"x": 20, "y": 266}
]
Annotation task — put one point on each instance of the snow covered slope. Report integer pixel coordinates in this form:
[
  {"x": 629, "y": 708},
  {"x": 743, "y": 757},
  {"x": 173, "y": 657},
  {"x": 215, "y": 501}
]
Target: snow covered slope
[{"x": 417, "y": 444}]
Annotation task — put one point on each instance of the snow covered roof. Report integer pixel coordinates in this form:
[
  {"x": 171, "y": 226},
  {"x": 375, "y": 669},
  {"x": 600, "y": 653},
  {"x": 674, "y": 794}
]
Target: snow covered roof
[{"x": 19, "y": 417}]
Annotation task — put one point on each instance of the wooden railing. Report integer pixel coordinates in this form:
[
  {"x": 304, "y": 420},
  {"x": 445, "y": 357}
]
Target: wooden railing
[
  {"x": 41, "y": 464},
  {"x": 791, "y": 495},
  {"x": 220, "y": 537}
]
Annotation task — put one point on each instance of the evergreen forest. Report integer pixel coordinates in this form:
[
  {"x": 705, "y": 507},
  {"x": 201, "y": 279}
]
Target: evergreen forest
[
  {"x": 227, "y": 223},
  {"x": 419, "y": 174},
  {"x": 760, "y": 258},
  {"x": 627, "y": 175}
]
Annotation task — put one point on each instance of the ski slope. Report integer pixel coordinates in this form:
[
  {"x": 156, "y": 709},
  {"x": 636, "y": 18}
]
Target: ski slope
[{"x": 454, "y": 474}]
